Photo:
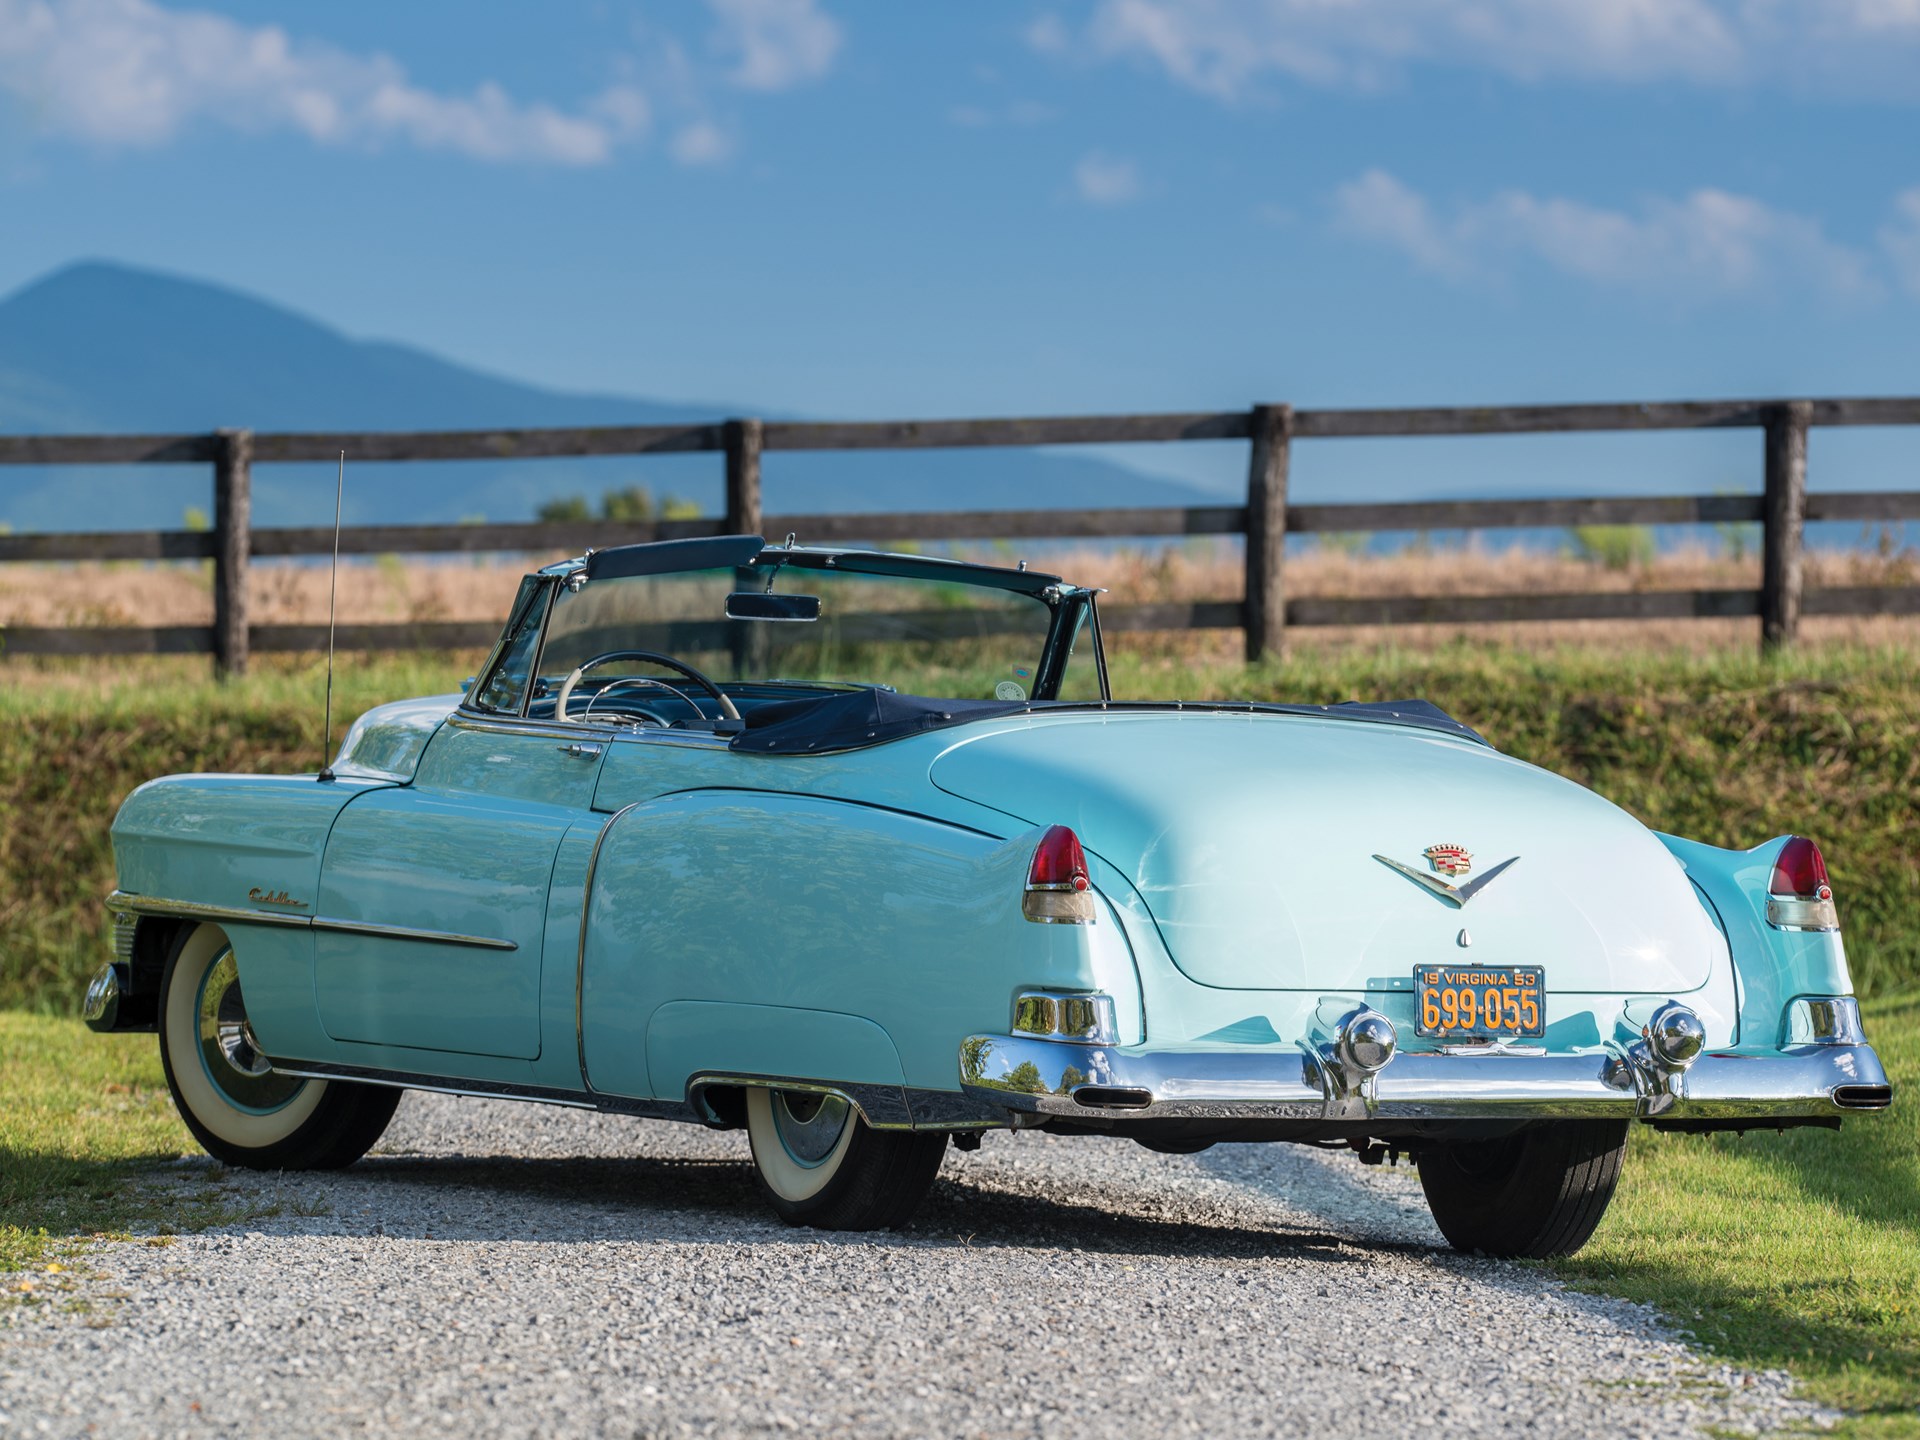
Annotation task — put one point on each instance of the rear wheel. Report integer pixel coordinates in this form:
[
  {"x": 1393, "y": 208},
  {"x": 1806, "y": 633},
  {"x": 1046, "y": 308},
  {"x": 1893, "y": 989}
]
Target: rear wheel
[
  {"x": 1537, "y": 1193},
  {"x": 820, "y": 1164},
  {"x": 240, "y": 1110}
]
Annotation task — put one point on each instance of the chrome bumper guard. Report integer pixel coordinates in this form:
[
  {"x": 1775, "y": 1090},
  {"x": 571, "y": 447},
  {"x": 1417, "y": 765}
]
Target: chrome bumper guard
[{"x": 1090, "y": 1081}]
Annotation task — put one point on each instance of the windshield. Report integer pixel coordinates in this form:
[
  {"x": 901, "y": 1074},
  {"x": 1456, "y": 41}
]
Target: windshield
[{"x": 921, "y": 636}]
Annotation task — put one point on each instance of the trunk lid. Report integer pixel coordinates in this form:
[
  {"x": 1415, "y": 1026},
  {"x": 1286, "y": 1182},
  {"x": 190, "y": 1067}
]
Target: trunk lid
[{"x": 1252, "y": 840}]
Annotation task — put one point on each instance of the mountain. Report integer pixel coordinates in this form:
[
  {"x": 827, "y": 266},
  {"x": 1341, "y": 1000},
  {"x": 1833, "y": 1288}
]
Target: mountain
[{"x": 103, "y": 348}]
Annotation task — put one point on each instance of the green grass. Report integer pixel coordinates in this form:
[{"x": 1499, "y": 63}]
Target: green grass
[
  {"x": 84, "y": 1121},
  {"x": 1799, "y": 1250}
]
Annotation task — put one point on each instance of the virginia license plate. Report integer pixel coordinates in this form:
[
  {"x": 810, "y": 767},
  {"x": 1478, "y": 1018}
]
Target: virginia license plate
[{"x": 1480, "y": 1002}]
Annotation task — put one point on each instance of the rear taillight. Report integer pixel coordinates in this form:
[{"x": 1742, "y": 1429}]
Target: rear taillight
[
  {"x": 1800, "y": 870},
  {"x": 1059, "y": 891},
  {"x": 1799, "y": 895}
]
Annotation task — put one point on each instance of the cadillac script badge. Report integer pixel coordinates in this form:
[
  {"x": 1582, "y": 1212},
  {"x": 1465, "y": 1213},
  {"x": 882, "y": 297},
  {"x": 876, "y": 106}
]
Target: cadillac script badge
[{"x": 1449, "y": 859}]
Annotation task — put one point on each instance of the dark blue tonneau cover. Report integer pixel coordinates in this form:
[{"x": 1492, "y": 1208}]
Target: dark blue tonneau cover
[{"x": 858, "y": 718}]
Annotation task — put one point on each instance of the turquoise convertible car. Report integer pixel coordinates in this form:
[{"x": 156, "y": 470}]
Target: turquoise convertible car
[{"x": 856, "y": 852}]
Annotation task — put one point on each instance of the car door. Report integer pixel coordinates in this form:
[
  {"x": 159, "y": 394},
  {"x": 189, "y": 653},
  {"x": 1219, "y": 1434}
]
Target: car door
[{"x": 433, "y": 898}]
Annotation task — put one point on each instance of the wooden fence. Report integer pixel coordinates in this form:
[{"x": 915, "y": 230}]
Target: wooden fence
[{"x": 1781, "y": 509}]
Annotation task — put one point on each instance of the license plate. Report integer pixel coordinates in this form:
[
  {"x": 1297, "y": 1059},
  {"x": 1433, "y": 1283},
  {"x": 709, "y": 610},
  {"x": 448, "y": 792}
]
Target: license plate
[{"x": 1480, "y": 1002}]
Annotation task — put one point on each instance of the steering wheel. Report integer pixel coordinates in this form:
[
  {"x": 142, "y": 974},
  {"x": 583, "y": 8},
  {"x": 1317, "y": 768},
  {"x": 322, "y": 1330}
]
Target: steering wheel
[
  {"x": 651, "y": 717},
  {"x": 653, "y": 657}
]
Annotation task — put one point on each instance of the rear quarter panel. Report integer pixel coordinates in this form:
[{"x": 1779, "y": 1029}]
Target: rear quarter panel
[
  {"x": 1771, "y": 966},
  {"x": 817, "y": 913}
]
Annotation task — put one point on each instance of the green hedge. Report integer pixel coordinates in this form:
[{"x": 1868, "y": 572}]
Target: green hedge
[{"x": 1727, "y": 750}]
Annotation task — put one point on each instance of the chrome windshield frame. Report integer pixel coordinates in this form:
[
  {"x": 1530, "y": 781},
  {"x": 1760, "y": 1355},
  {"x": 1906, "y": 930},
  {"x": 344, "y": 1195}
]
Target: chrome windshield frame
[{"x": 1069, "y": 605}]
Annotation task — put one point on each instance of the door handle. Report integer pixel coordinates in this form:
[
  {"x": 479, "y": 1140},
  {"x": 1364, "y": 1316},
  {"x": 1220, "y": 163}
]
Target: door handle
[{"x": 585, "y": 752}]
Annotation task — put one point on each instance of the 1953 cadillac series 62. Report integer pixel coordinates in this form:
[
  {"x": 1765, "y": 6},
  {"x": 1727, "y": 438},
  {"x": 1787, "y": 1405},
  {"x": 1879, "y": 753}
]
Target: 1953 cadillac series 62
[{"x": 683, "y": 850}]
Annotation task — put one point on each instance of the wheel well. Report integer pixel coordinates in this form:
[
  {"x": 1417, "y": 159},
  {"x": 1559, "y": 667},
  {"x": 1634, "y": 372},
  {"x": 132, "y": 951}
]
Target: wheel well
[
  {"x": 722, "y": 1106},
  {"x": 153, "y": 937}
]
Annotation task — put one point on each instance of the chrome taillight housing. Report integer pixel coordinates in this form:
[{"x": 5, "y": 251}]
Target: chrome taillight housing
[
  {"x": 1059, "y": 891},
  {"x": 1799, "y": 894}
]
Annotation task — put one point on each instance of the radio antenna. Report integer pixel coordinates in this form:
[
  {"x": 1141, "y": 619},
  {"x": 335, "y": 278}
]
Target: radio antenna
[{"x": 333, "y": 597}]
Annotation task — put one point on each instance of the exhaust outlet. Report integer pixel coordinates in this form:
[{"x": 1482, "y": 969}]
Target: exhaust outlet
[{"x": 1863, "y": 1097}]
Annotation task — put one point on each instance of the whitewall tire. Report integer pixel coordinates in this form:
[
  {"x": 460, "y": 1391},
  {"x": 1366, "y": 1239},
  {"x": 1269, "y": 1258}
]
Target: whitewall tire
[
  {"x": 238, "y": 1108},
  {"x": 820, "y": 1164}
]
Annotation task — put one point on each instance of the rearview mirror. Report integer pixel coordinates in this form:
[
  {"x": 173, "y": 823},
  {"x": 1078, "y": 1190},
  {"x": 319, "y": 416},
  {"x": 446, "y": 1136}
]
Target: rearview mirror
[{"x": 758, "y": 605}]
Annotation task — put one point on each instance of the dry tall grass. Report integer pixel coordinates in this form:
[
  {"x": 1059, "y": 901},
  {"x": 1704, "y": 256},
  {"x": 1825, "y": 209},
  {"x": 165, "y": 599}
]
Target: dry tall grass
[{"x": 388, "y": 588}]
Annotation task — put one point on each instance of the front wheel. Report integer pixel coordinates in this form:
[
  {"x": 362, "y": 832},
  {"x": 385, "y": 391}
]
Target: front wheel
[
  {"x": 1535, "y": 1194},
  {"x": 820, "y": 1164},
  {"x": 238, "y": 1107}
]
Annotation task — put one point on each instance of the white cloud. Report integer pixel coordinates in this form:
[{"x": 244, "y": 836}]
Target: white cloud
[
  {"x": 700, "y": 143},
  {"x": 1378, "y": 207},
  {"x": 1104, "y": 180},
  {"x": 1226, "y": 48},
  {"x": 130, "y": 72},
  {"x": 1708, "y": 241},
  {"x": 779, "y": 43},
  {"x": 1900, "y": 240}
]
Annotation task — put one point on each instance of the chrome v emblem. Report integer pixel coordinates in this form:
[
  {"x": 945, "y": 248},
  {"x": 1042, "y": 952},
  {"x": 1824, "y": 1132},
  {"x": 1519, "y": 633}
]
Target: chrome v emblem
[{"x": 1458, "y": 894}]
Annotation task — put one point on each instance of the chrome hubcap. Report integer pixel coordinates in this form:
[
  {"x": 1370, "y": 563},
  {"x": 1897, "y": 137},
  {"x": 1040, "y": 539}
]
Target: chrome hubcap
[
  {"x": 809, "y": 1125},
  {"x": 227, "y": 1048}
]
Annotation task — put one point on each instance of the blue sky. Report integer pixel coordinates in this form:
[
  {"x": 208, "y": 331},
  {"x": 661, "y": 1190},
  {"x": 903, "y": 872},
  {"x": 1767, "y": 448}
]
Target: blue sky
[{"x": 879, "y": 209}]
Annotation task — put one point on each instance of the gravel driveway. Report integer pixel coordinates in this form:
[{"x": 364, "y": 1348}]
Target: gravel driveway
[{"x": 498, "y": 1270}]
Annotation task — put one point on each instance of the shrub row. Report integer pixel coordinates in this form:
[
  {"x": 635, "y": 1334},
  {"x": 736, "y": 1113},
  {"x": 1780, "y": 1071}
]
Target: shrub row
[{"x": 1731, "y": 751}]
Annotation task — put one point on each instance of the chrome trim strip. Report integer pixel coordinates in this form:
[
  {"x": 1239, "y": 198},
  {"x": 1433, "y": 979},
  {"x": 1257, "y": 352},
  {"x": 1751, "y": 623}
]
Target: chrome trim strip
[
  {"x": 409, "y": 932},
  {"x": 194, "y": 910},
  {"x": 121, "y": 901},
  {"x": 580, "y": 960},
  {"x": 520, "y": 725},
  {"x": 310, "y": 1071},
  {"x": 685, "y": 739},
  {"x": 486, "y": 1089},
  {"x": 1021, "y": 1073}
]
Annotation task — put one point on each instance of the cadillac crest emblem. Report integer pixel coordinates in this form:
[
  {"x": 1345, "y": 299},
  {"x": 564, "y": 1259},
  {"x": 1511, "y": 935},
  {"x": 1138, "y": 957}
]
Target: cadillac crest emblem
[{"x": 1449, "y": 859}]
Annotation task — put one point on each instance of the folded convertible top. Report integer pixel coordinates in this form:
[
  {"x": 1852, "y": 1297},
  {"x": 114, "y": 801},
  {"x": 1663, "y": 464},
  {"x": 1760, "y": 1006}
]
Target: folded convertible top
[{"x": 855, "y": 719}]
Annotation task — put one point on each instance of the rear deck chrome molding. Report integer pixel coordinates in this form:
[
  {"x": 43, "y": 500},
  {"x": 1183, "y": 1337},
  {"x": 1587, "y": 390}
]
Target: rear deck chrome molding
[{"x": 1047, "y": 1078}]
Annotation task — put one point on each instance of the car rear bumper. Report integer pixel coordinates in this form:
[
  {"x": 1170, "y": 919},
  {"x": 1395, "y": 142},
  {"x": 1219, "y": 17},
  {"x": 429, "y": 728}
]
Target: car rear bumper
[{"x": 1064, "y": 1080}]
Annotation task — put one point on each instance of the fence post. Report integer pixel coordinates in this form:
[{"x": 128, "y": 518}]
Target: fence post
[
  {"x": 743, "y": 476},
  {"x": 1266, "y": 605},
  {"x": 749, "y": 644},
  {"x": 1784, "y": 515},
  {"x": 232, "y": 548}
]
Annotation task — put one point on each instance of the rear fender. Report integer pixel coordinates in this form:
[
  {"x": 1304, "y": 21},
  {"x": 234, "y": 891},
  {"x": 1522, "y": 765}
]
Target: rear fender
[
  {"x": 823, "y": 906},
  {"x": 1771, "y": 966}
]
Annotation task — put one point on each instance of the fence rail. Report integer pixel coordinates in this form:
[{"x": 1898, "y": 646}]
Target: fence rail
[{"x": 1782, "y": 510}]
